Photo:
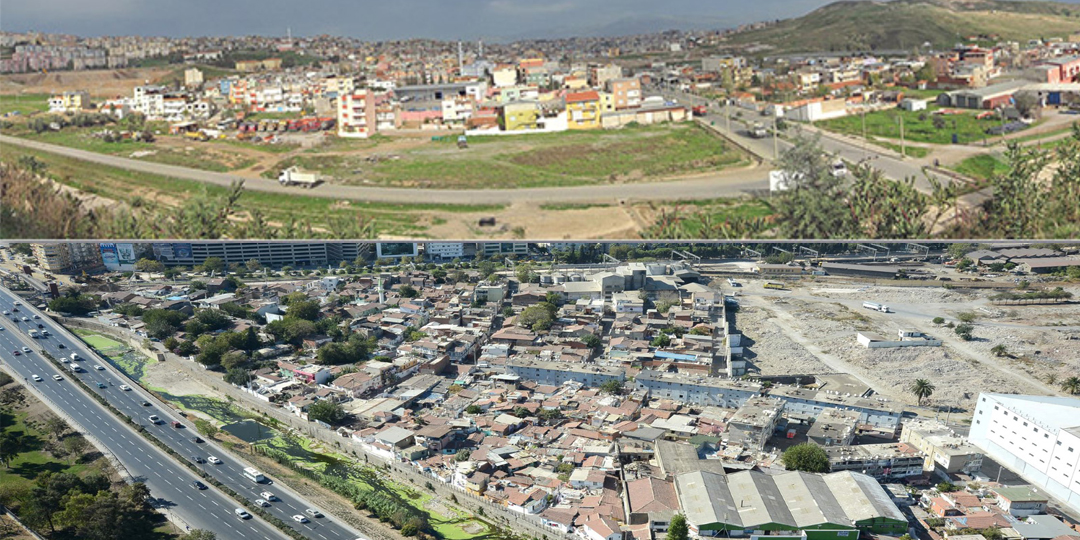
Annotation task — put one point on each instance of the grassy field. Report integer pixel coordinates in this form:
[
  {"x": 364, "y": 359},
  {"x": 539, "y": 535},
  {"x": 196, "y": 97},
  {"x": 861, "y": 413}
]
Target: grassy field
[
  {"x": 556, "y": 159},
  {"x": 918, "y": 126},
  {"x": 124, "y": 185},
  {"x": 32, "y": 461},
  {"x": 132, "y": 364},
  {"x": 24, "y": 103},
  {"x": 909, "y": 151},
  {"x": 982, "y": 166}
]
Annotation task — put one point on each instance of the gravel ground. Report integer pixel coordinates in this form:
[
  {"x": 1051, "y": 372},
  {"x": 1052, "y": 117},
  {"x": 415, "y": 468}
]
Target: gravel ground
[{"x": 776, "y": 353}]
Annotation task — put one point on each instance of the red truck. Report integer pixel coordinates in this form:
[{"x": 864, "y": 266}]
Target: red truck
[{"x": 700, "y": 110}]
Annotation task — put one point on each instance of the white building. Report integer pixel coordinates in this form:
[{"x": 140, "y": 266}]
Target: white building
[
  {"x": 444, "y": 250},
  {"x": 1036, "y": 436},
  {"x": 356, "y": 115}
]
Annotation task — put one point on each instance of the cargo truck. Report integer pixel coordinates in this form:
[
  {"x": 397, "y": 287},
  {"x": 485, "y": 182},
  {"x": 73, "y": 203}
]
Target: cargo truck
[{"x": 293, "y": 177}]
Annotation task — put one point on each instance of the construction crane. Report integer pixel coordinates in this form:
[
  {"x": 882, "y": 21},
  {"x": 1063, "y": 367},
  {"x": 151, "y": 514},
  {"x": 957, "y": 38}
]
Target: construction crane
[
  {"x": 778, "y": 248},
  {"x": 748, "y": 251},
  {"x": 604, "y": 257},
  {"x": 509, "y": 263},
  {"x": 882, "y": 248},
  {"x": 918, "y": 248},
  {"x": 803, "y": 250}
]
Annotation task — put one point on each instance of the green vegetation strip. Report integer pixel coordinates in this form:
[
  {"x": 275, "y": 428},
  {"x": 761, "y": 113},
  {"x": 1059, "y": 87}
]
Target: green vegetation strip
[
  {"x": 278, "y": 523},
  {"x": 982, "y": 166},
  {"x": 919, "y": 126},
  {"x": 31, "y": 461}
]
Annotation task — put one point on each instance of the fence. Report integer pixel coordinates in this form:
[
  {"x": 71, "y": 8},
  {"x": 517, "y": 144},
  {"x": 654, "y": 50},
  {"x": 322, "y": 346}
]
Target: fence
[{"x": 493, "y": 512}]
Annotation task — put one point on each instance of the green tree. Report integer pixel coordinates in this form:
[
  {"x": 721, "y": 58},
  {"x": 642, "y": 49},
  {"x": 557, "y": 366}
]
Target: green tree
[
  {"x": 520, "y": 412},
  {"x": 408, "y": 291},
  {"x": 475, "y": 409},
  {"x": 238, "y": 376},
  {"x": 200, "y": 534},
  {"x": 661, "y": 340},
  {"x": 677, "y": 528},
  {"x": 214, "y": 264},
  {"x": 149, "y": 265},
  {"x": 921, "y": 389},
  {"x": 253, "y": 265},
  {"x": 807, "y": 457},
  {"x": 1071, "y": 385},
  {"x": 536, "y": 318},
  {"x": 327, "y": 411},
  {"x": 612, "y": 386},
  {"x": 999, "y": 350}
]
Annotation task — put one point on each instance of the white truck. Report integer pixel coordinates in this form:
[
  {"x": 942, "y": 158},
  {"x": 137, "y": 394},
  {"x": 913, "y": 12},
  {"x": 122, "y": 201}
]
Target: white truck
[
  {"x": 293, "y": 177},
  {"x": 876, "y": 307},
  {"x": 758, "y": 131}
]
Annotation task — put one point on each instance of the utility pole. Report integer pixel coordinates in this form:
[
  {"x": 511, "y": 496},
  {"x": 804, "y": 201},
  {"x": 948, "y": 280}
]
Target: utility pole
[
  {"x": 775, "y": 142},
  {"x": 864, "y": 148},
  {"x": 903, "y": 148}
]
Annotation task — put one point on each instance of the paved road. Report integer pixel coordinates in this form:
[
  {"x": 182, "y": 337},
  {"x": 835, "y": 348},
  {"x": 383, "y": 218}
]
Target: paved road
[
  {"x": 205, "y": 509},
  {"x": 722, "y": 184}
]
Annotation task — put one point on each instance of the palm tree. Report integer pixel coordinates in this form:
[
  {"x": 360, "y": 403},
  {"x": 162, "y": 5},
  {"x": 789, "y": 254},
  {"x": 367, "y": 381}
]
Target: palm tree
[
  {"x": 1071, "y": 385},
  {"x": 923, "y": 388}
]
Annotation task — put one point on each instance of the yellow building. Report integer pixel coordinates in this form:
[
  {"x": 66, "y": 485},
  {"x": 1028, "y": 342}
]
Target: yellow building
[
  {"x": 607, "y": 102},
  {"x": 519, "y": 115},
  {"x": 69, "y": 102},
  {"x": 583, "y": 110}
]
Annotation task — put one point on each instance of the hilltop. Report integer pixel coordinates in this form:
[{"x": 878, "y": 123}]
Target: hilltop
[{"x": 905, "y": 24}]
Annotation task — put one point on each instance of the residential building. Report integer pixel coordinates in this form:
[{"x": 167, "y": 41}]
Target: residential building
[
  {"x": 68, "y": 257},
  {"x": 583, "y": 110},
  {"x": 875, "y": 413},
  {"x": 626, "y": 92},
  {"x": 193, "y": 77},
  {"x": 834, "y": 427},
  {"x": 498, "y": 249},
  {"x": 1020, "y": 501},
  {"x": 69, "y": 102},
  {"x": 557, "y": 373},
  {"x": 444, "y": 251},
  {"x": 1037, "y": 436},
  {"x": 356, "y": 114},
  {"x": 519, "y": 115},
  {"x": 881, "y": 461},
  {"x": 697, "y": 389},
  {"x": 943, "y": 448},
  {"x": 754, "y": 423}
]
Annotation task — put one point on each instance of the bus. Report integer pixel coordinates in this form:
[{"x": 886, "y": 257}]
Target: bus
[
  {"x": 774, "y": 285},
  {"x": 251, "y": 473}
]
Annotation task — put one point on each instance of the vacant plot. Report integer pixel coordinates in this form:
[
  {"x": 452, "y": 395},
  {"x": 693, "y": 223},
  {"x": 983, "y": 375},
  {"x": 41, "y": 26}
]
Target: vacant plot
[
  {"x": 561, "y": 159},
  {"x": 982, "y": 166},
  {"x": 921, "y": 126},
  {"x": 24, "y": 103}
]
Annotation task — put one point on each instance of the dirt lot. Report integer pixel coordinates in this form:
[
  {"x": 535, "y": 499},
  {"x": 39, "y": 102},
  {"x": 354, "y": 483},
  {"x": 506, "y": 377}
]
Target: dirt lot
[
  {"x": 100, "y": 83},
  {"x": 813, "y": 328}
]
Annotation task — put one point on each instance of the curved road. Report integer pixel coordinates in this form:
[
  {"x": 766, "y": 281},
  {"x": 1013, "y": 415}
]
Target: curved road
[{"x": 723, "y": 184}]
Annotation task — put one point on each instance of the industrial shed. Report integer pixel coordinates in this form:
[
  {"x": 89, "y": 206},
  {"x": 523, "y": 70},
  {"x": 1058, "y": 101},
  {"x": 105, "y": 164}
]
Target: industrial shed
[
  {"x": 824, "y": 507},
  {"x": 861, "y": 270}
]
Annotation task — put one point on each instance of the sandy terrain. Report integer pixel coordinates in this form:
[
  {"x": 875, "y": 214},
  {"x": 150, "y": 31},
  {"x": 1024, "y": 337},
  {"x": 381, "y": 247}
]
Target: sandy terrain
[
  {"x": 613, "y": 221},
  {"x": 100, "y": 83}
]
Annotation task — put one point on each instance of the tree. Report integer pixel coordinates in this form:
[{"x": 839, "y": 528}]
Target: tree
[
  {"x": 661, "y": 340},
  {"x": 149, "y": 265},
  {"x": 807, "y": 457},
  {"x": 999, "y": 351},
  {"x": 307, "y": 310},
  {"x": 213, "y": 264},
  {"x": 1026, "y": 103},
  {"x": 327, "y": 411},
  {"x": 234, "y": 359},
  {"x": 408, "y": 291},
  {"x": 524, "y": 273},
  {"x": 536, "y": 318},
  {"x": 56, "y": 426},
  {"x": 921, "y": 389},
  {"x": 475, "y": 409},
  {"x": 938, "y": 320},
  {"x": 11, "y": 443},
  {"x": 462, "y": 455},
  {"x": 612, "y": 386},
  {"x": 238, "y": 376},
  {"x": 253, "y": 265},
  {"x": 591, "y": 340},
  {"x": 1071, "y": 385},
  {"x": 550, "y": 415},
  {"x": 677, "y": 529},
  {"x": 200, "y": 534},
  {"x": 964, "y": 331},
  {"x": 520, "y": 412},
  {"x": 75, "y": 444}
]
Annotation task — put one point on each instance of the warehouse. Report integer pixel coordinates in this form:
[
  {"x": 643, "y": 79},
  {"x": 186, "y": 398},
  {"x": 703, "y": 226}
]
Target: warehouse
[
  {"x": 823, "y": 507},
  {"x": 861, "y": 270}
]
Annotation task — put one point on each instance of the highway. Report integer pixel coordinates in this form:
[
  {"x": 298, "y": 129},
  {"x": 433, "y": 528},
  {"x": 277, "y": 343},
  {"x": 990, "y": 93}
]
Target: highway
[{"x": 170, "y": 482}]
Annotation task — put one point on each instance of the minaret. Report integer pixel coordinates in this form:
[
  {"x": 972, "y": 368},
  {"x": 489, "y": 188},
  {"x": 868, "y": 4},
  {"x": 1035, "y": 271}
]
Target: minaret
[
  {"x": 460, "y": 57},
  {"x": 382, "y": 293},
  {"x": 481, "y": 53}
]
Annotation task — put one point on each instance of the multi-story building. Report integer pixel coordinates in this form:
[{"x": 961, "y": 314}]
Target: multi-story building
[
  {"x": 583, "y": 110},
  {"x": 754, "y": 422},
  {"x": 697, "y": 389},
  {"x": 626, "y": 92},
  {"x": 875, "y": 412},
  {"x": 833, "y": 427},
  {"x": 1036, "y": 436},
  {"x": 69, "y": 102},
  {"x": 444, "y": 251},
  {"x": 67, "y": 257},
  {"x": 519, "y": 115},
  {"x": 504, "y": 75},
  {"x": 943, "y": 448},
  {"x": 270, "y": 254},
  {"x": 600, "y": 75},
  {"x": 557, "y": 373},
  {"x": 881, "y": 461},
  {"x": 356, "y": 114},
  {"x": 193, "y": 77},
  {"x": 498, "y": 249}
]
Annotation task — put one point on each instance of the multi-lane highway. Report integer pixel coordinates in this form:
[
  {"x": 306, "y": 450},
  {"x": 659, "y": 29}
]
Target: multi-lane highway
[{"x": 170, "y": 482}]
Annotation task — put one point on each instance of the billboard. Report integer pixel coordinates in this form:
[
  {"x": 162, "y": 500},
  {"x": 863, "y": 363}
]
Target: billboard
[
  {"x": 126, "y": 255},
  {"x": 387, "y": 250},
  {"x": 110, "y": 257},
  {"x": 172, "y": 252}
]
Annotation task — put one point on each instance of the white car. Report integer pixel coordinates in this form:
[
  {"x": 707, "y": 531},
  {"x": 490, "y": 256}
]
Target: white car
[
  {"x": 57, "y": 378},
  {"x": 242, "y": 514},
  {"x": 313, "y": 513},
  {"x": 214, "y": 460},
  {"x": 99, "y": 368},
  {"x": 1, "y": 328},
  {"x": 37, "y": 316},
  {"x": 262, "y": 503},
  {"x": 65, "y": 360},
  {"x": 125, "y": 387},
  {"x": 26, "y": 349},
  {"x": 36, "y": 378},
  {"x": 268, "y": 496},
  {"x": 300, "y": 519},
  {"x": 154, "y": 419}
]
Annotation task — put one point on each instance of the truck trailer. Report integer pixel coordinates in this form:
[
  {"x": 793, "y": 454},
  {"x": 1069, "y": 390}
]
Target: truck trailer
[
  {"x": 293, "y": 177},
  {"x": 876, "y": 307}
]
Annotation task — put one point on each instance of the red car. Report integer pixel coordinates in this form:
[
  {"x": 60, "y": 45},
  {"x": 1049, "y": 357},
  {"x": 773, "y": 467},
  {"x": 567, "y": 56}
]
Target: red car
[{"x": 16, "y": 353}]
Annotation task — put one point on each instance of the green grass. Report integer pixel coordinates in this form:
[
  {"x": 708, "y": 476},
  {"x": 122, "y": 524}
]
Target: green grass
[
  {"x": 31, "y": 461},
  {"x": 885, "y": 124},
  {"x": 982, "y": 166},
  {"x": 124, "y": 185},
  {"x": 24, "y": 103},
  {"x": 1043, "y": 135},
  {"x": 82, "y": 139},
  {"x": 535, "y": 160},
  {"x": 695, "y": 213},
  {"x": 572, "y": 206},
  {"x": 98, "y": 341},
  {"x": 134, "y": 365},
  {"x": 268, "y": 148}
]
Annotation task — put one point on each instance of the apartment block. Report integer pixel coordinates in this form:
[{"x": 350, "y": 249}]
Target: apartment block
[
  {"x": 943, "y": 448},
  {"x": 557, "y": 373},
  {"x": 626, "y": 92},
  {"x": 356, "y": 115},
  {"x": 67, "y": 257},
  {"x": 754, "y": 422},
  {"x": 697, "y": 389}
]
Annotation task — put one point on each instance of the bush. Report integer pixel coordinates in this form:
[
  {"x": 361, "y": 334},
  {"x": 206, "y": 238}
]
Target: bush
[
  {"x": 807, "y": 457},
  {"x": 938, "y": 320}
]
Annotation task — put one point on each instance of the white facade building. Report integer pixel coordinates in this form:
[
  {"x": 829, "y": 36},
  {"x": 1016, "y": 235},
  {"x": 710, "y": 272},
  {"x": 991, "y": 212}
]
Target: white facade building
[
  {"x": 1036, "y": 436},
  {"x": 444, "y": 250}
]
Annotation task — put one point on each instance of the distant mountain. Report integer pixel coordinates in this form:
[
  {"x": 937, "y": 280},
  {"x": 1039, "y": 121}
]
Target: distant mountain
[{"x": 905, "y": 24}]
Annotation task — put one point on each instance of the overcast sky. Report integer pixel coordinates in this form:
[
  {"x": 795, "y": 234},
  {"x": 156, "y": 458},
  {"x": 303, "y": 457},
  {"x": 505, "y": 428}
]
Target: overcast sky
[{"x": 389, "y": 19}]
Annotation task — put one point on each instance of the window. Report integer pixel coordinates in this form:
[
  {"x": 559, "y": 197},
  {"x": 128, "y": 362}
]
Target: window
[{"x": 1025, "y": 423}]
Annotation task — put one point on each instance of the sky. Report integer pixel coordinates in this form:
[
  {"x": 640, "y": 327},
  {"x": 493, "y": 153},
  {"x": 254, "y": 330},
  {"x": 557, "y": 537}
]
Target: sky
[{"x": 371, "y": 20}]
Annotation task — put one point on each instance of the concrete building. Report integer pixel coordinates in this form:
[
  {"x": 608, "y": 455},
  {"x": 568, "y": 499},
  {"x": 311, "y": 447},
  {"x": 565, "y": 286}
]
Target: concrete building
[
  {"x": 626, "y": 92},
  {"x": 69, "y": 102},
  {"x": 68, "y": 257},
  {"x": 697, "y": 389},
  {"x": 1020, "y": 501},
  {"x": 834, "y": 427},
  {"x": 356, "y": 114},
  {"x": 270, "y": 254},
  {"x": 557, "y": 373},
  {"x": 815, "y": 507},
  {"x": 943, "y": 448},
  {"x": 500, "y": 249},
  {"x": 444, "y": 251},
  {"x": 193, "y": 77},
  {"x": 875, "y": 412},
  {"x": 754, "y": 422},
  {"x": 880, "y": 461},
  {"x": 1038, "y": 437},
  {"x": 583, "y": 110},
  {"x": 519, "y": 116}
]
